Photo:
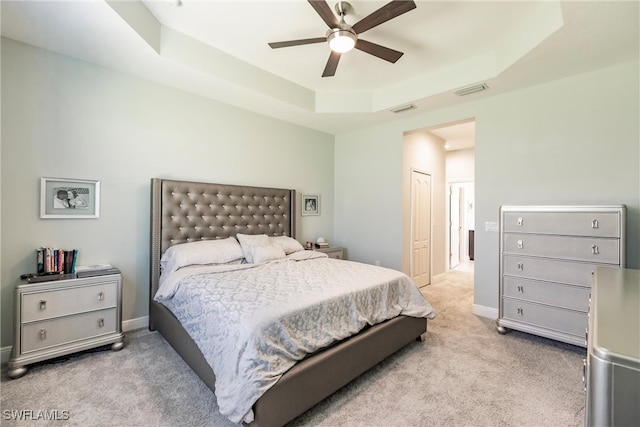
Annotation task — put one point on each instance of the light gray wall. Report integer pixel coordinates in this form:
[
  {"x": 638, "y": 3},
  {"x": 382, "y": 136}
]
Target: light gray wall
[
  {"x": 570, "y": 141},
  {"x": 66, "y": 118}
]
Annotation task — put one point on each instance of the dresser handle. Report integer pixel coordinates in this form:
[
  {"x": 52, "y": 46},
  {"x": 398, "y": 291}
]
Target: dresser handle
[
  {"x": 100, "y": 322},
  {"x": 519, "y": 244},
  {"x": 100, "y": 296},
  {"x": 594, "y": 223},
  {"x": 520, "y": 311},
  {"x": 520, "y": 266},
  {"x": 520, "y": 221},
  {"x": 43, "y": 334},
  {"x": 595, "y": 250},
  {"x": 521, "y": 289},
  {"x": 43, "y": 304}
]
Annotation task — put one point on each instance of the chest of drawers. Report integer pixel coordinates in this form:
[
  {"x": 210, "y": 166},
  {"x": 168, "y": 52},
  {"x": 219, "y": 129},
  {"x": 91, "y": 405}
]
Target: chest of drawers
[
  {"x": 332, "y": 252},
  {"x": 612, "y": 366},
  {"x": 60, "y": 317},
  {"x": 547, "y": 257}
]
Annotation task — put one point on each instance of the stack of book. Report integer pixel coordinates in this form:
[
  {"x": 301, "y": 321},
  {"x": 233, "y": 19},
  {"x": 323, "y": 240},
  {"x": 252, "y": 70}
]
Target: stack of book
[
  {"x": 52, "y": 260},
  {"x": 95, "y": 270},
  {"x": 321, "y": 245}
]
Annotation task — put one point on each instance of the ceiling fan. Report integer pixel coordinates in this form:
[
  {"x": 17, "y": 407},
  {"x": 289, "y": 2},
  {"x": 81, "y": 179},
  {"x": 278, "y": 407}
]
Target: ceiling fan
[{"x": 343, "y": 37}]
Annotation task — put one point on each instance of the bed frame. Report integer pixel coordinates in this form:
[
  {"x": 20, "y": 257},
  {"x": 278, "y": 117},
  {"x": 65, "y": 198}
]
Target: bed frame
[{"x": 183, "y": 211}]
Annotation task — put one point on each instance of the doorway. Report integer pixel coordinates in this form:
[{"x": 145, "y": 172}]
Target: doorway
[{"x": 461, "y": 223}]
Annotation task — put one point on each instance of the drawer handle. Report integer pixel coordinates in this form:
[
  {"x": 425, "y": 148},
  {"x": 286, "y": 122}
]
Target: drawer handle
[
  {"x": 595, "y": 250},
  {"x": 100, "y": 296},
  {"x": 43, "y": 304},
  {"x": 43, "y": 334},
  {"x": 100, "y": 322},
  {"x": 520, "y": 266},
  {"x": 521, "y": 289},
  {"x": 594, "y": 223},
  {"x": 520, "y": 221},
  {"x": 520, "y": 311},
  {"x": 519, "y": 244}
]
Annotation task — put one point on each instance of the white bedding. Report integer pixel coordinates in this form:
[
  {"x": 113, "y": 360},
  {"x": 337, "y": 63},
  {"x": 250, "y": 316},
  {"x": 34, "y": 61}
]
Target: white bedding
[{"x": 253, "y": 322}]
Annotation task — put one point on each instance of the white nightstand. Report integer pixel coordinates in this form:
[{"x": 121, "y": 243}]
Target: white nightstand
[
  {"x": 60, "y": 317},
  {"x": 332, "y": 251}
]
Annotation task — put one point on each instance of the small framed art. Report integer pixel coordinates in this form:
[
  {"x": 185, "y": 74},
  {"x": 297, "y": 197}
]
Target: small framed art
[
  {"x": 69, "y": 198},
  {"x": 310, "y": 204}
]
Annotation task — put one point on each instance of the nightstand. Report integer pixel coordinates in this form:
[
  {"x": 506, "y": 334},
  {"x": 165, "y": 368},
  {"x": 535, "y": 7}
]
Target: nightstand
[
  {"x": 332, "y": 251},
  {"x": 60, "y": 317}
]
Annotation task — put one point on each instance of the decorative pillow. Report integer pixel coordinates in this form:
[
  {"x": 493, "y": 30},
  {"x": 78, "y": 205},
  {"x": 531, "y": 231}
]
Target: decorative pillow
[
  {"x": 251, "y": 241},
  {"x": 267, "y": 253},
  {"x": 289, "y": 245},
  {"x": 220, "y": 251}
]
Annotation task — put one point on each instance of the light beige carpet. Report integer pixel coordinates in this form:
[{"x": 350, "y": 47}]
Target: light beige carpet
[{"x": 464, "y": 374}]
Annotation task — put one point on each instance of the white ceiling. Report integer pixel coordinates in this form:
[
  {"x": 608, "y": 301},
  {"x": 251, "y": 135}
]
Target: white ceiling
[{"x": 218, "y": 49}]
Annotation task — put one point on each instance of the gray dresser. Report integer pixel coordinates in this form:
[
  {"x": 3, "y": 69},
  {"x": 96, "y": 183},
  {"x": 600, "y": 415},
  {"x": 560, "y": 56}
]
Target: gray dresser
[
  {"x": 612, "y": 368},
  {"x": 547, "y": 257},
  {"x": 60, "y": 317}
]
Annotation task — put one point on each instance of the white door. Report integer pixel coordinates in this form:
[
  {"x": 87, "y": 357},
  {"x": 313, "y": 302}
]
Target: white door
[
  {"x": 421, "y": 228},
  {"x": 454, "y": 225}
]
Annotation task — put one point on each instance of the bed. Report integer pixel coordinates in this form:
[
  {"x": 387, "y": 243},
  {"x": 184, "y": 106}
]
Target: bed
[{"x": 185, "y": 211}]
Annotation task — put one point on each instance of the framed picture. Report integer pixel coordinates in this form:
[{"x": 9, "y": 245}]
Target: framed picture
[
  {"x": 69, "y": 198},
  {"x": 310, "y": 204}
]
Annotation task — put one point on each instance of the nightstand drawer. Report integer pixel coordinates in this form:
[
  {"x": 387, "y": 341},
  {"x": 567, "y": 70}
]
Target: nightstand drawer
[
  {"x": 61, "y": 302},
  {"x": 590, "y": 249},
  {"x": 598, "y": 224},
  {"x": 64, "y": 330},
  {"x": 335, "y": 252}
]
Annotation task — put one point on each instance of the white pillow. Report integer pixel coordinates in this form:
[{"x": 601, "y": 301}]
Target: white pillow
[
  {"x": 251, "y": 241},
  {"x": 220, "y": 251},
  {"x": 289, "y": 245},
  {"x": 267, "y": 253}
]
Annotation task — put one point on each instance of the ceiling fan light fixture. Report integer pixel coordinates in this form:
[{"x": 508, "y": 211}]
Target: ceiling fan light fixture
[{"x": 341, "y": 40}]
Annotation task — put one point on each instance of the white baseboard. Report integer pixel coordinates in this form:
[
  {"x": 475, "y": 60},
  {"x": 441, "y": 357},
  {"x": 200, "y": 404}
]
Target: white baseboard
[
  {"x": 127, "y": 325},
  {"x": 438, "y": 278},
  {"x": 484, "y": 311},
  {"x": 132, "y": 324}
]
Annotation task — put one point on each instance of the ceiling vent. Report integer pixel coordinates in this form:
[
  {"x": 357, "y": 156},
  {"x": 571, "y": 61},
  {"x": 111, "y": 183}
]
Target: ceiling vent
[
  {"x": 403, "y": 108},
  {"x": 472, "y": 89}
]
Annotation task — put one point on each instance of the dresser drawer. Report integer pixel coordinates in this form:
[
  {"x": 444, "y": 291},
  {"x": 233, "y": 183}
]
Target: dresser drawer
[
  {"x": 64, "y": 330},
  {"x": 61, "y": 302},
  {"x": 597, "y": 224},
  {"x": 559, "y": 295},
  {"x": 551, "y": 270},
  {"x": 558, "y": 319},
  {"x": 590, "y": 249}
]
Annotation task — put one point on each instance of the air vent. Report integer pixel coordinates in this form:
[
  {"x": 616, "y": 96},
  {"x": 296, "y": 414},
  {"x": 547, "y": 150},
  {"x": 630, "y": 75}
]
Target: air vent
[
  {"x": 472, "y": 89},
  {"x": 403, "y": 108}
]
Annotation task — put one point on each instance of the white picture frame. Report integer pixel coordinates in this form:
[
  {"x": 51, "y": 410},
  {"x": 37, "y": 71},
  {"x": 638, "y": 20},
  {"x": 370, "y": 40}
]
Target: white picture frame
[
  {"x": 310, "y": 204},
  {"x": 69, "y": 198}
]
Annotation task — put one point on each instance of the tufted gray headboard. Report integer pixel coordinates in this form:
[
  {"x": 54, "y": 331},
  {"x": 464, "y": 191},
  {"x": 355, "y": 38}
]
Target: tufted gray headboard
[{"x": 183, "y": 211}]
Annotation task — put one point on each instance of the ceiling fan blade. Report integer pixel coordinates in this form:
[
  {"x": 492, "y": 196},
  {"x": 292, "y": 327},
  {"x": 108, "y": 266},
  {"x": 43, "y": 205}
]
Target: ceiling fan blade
[
  {"x": 276, "y": 45},
  {"x": 379, "y": 51},
  {"x": 332, "y": 64},
  {"x": 382, "y": 15},
  {"x": 325, "y": 12}
]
